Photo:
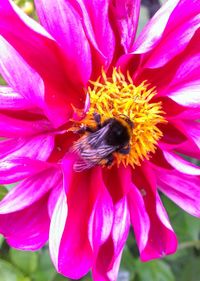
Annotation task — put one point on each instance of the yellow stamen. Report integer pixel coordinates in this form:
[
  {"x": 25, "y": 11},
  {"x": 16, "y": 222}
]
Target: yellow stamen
[{"x": 117, "y": 95}]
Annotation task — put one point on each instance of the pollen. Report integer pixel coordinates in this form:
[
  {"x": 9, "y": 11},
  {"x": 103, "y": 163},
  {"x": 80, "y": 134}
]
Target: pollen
[{"x": 117, "y": 95}]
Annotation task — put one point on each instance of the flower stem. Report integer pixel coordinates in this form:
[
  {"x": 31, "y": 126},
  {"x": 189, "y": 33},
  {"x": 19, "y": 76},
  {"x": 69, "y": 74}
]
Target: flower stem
[{"x": 189, "y": 244}]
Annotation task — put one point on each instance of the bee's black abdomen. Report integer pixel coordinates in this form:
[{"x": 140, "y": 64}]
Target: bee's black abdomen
[{"x": 118, "y": 134}]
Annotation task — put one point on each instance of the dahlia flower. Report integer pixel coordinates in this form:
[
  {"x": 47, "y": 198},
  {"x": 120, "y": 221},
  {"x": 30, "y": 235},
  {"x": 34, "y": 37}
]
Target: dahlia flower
[{"x": 67, "y": 79}]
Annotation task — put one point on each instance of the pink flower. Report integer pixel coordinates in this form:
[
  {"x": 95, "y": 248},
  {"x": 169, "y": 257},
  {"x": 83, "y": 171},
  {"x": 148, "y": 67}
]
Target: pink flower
[{"x": 84, "y": 61}]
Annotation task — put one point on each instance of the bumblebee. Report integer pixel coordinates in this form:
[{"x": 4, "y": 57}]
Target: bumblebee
[{"x": 98, "y": 144}]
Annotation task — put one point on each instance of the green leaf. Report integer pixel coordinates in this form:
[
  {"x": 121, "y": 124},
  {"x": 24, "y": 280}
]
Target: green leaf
[
  {"x": 156, "y": 270},
  {"x": 193, "y": 226},
  {"x": 187, "y": 267},
  {"x": 26, "y": 261},
  {"x": 45, "y": 269},
  {"x": 2, "y": 82},
  {"x": 186, "y": 227},
  {"x": 9, "y": 273},
  {"x": 1, "y": 240},
  {"x": 127, "y": 263},
  {"x": 3, "y": 191}
]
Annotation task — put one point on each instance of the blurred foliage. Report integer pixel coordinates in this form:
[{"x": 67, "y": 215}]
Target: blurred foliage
[{"x": 182, "y": 266}]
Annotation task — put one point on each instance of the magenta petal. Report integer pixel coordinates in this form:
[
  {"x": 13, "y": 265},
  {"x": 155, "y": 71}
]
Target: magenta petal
[
  {"x": 180, "y": 93},
  {"x": 125, "y": 15},
  {"x": 27, "y": 191},
  {"x": 119, "y": 177},
  {"x": 192, "y": 130},
  {"x": 13, "y": 68},
  {"x": 180, "y": 164},
  {"x": 54, "y": 196},
  {"x": 174, "y": 42},
  {"x": 13, "y": 127},
  {"x": 182, "y": 189},
  {"x": 153, "y": 31},
  {"x": 38, "y": 147},
  {"x": 16, "y": 169},
  {"x": 139, "y": 218},
  {"x": 107, "y": 261},
  {"x": 30, "y": 39},
  {"x": 20, "y": 158},
  {"x": 27, "y": 229},
  {"x": 72, "y": 254},
  {"x": 58, "y": 220},
  {"x": 189, "y": 148},
  {"x": 101, "y": 220},
  {"x": 25, "y": 156},
  {"x": 65, "y": 24},
  {"x": 43, "y": 54},
  {"x": 186, "y": 78},
  {"x": 168, "y": 34},
  {"x": 98, "y": 29},
  {"x": 153, "y": 231},
  {"x": 12, "y": 100}
]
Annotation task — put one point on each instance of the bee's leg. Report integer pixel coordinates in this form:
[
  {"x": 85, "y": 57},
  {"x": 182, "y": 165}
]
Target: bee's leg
[
  {"x": 84, "y": 129},
  {"x": 110, "y": 160},
  {"x": 97, "y": 119},
  {"x": 124, "y": 150}
]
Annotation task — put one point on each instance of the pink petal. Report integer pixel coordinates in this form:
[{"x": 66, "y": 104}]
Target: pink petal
[
  {"x": 153, "y": 31},
  {"x": 58, "y": 220},
  {"x": 10, "y": 145},
  {"x": 14, "y": 68},
  {"x": 175, "y": 111},
  {"x": 186, "y": 77},
  {"x": 42, "y": 54},
  {"x": 29, "y": 191},
  {"x": 65, "y": 24},
  {"x": 182, "y": 189},
  {"x": 174, "y": 42},
  {"x": 189, "y": 148},
  {"x": 121, "y": 226},
  {"x": 38, "y": 147},
  {"x": 192, "y": 130},
  {"x": 101, "y": 220},
  {"x": 153, "y": 231},
  {"x": 139, "y": 218},
  {"x": 16, "y": 169},
  {"x": 12, "y": 100},
  {"x": 159, "y": 160},
  {"x": 54, "y": 197},
  {"x": 72, "y": 253},
  {"x": 31, "y": 41},
  {"x": 98, "y": 29},
  {"x": 125, "y": 17},
  {"x": 180, "y": 164},
  {"x": 107, "y": 262},
  {"x": 13, "y": 127},
  {"x": 27, "y": 229},
  {"x": 119, "y": 177},
  {"x": 180, "y": 94},
  {"x": 172, "y": 133},
  {"x": 20, "y": 158},
  {"x": 168, "y": 33}
]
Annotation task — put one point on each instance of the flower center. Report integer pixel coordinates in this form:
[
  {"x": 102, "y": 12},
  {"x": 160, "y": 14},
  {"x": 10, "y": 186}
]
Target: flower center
[{"x": 117, "y": 98}]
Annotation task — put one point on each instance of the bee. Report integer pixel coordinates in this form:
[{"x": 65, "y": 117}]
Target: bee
[{"x": 98, "y": 144}]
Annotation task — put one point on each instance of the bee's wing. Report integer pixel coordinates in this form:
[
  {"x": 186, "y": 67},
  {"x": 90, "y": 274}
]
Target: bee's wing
[
  {"x": 91, "y": 149},
  {"x": 92, "y": 157}
]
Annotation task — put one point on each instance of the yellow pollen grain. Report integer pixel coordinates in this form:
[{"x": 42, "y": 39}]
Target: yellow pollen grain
[{"x": 117, "y": 95}]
